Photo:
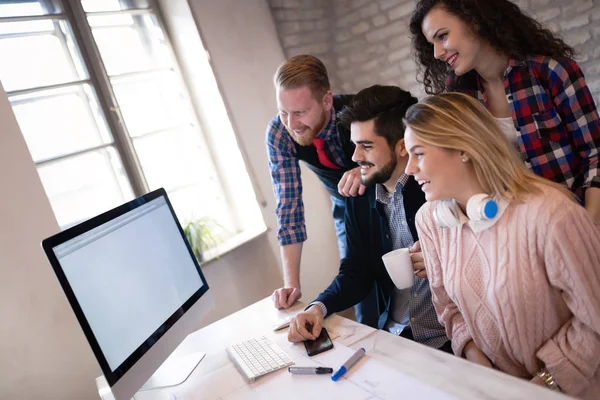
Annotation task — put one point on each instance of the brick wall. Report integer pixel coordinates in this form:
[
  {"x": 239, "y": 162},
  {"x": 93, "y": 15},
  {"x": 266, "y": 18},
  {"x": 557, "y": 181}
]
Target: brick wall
[{"x": 364, "y": 42}]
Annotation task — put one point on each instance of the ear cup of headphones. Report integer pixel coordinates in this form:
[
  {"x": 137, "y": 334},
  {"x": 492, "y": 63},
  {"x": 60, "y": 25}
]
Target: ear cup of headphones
[
  {"x": 445, "y": 214},
  {"x": 481, "y": 207}
]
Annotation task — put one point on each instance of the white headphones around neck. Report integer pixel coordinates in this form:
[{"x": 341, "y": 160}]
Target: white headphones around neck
[{"x": 480, "y": 207}]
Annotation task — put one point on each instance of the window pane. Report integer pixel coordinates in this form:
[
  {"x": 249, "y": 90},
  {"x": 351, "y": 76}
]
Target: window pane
[
  {"x": 193, "y": 202},
  {"x": 175, "y": 159},
  {"x": 151, "y": 102},
  {"x": 26, "y": 8},
  {"x": 86, "y": 185},
  {"x": 112, "y": 5},
  {"x": 41, "y": 59},
  {"x": 39, "y": 27},
  {"x": 60, "y": 121},
  {"x": 130, "y": 43},
  {"x": 179, "y": 162}
]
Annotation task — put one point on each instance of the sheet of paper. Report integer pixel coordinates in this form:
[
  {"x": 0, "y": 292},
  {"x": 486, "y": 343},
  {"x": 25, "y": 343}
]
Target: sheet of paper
[{"x": 368, "y": 379}]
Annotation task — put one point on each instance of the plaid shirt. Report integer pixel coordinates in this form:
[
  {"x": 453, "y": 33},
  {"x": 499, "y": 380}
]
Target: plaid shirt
[
  {"x": 556, "y": 119},
  {"x": 285, "y": 176},
  {"x": 413, "y": 306}
]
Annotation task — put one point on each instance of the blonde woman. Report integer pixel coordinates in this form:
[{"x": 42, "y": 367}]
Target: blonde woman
[{"x": 512, "y": 259}]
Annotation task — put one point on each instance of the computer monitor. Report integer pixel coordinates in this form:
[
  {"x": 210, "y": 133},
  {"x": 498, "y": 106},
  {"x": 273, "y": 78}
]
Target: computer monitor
[{"x": 134, "y": 286}]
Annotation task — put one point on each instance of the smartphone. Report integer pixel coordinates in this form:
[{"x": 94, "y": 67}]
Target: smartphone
[{"x": 319, "y": 345}]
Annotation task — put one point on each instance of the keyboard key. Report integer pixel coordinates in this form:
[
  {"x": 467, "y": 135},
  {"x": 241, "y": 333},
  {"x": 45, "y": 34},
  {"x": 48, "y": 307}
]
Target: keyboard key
[{"x": 257, "y": 357}]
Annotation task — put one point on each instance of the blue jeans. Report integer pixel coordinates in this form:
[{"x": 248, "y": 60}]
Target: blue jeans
[{"x": 365, "y": 311}]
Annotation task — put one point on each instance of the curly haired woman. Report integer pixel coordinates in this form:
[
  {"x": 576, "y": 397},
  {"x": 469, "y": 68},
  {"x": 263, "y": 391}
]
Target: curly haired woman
[{"x": 526, "y": 78}]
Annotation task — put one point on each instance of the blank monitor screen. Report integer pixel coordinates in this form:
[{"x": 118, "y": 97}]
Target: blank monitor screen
[{"x": 129, "y": 275}]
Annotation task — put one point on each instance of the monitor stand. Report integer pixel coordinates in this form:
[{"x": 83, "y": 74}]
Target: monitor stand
[{"x": 174, "y": 371}]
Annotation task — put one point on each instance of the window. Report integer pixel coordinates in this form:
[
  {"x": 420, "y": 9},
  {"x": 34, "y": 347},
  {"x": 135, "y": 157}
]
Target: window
[{"x": 97, "y": 93}]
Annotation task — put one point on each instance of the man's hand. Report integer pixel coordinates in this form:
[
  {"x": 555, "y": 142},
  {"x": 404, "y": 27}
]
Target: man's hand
[
  {"x": 416, "y": 256},
  {"x": 350, "y": 184},
  {"x": 306, "y": 325},
  {"x": 286, "y": 297}
]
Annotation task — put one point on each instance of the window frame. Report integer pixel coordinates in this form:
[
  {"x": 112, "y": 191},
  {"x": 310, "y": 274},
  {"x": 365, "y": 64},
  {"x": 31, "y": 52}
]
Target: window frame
[{"x": 75, "y": 17}]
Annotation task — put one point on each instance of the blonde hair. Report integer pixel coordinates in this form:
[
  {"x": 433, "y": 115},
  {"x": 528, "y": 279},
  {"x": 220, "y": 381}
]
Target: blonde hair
[
  {"x": 455, "y": 121},
  {"x": 303, "y": 70}
]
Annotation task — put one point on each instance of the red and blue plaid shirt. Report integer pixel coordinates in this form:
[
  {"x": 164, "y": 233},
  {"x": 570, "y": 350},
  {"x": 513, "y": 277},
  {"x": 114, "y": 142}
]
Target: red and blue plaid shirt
[
  {"x": 556, "y": 119},
  {"x": 285, "y": 175}
]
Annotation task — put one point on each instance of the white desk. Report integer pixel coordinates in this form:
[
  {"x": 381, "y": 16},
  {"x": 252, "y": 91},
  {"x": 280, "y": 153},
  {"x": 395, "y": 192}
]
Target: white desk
[{"x": 407, "y": 364}]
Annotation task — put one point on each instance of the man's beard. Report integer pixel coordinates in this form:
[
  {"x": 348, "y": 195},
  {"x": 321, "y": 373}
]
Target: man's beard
[
  {"x": 307, "y": 138},
  {"x": 381, "y": 176}
]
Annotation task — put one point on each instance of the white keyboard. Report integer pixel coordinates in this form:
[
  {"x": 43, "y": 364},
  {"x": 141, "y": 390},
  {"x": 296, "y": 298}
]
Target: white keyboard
[{"x": 257, "y": 357}]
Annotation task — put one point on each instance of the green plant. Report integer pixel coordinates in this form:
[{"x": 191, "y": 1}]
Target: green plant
[{"x": 203, "y": 235}]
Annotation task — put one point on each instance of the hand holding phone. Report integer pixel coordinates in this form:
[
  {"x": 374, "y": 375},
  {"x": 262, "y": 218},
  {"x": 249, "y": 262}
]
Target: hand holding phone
[{"x": 319, "y": 345}]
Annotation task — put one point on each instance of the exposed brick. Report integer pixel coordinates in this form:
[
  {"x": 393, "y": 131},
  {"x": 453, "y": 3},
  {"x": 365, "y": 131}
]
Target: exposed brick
[
  {"x": 523, "y": 4},
  {"x": 348, "y": 19},
  {"x": 347, "y": 88},
  {"x": 322, "y": 24},
  {"x": 554, "y": 28},
  {"x": 291, "y": 4},
  {"x": 316, "y": 48},
  {"x": 387, "y": 4},
  {"x": 536, "y": 4},
  {"x": 390, "y": 72},
  {"x": 369, "y": 11},
  {"x": 576, "y": 22},
  {"x": 582, "y": 6},
  {"x": 379, "y": 34},
  {"x": 548, "y": 14},
  {"x": 579, "y": 38},
  {"x": 342, "y": 62},
  {"x": 364, "y": 81},
  {"x": 359, "y": 57},
  {"x": 399, "y": 42},
  {"x": 340, "y": 7},
  {"x": 347, "y": 74},
  {"x": 276, "y": 3},
  {"x": 402, "y": 11},
  {"x": 279, "y": 15},
  {"x": 312, "y": 14},
  {"x": 287, "y": 28},
  {"x": 594, "y": 86},
  {"x": 379, "y": 20},
  {"x": 350, "y": 46},
  {"x": 308, "y": 26},
  {"x": 593, "y": 70},
  {"x": 359, "y": 28},
  {"x": 399, "y": 55},
  {"x": 582, "y": 58},
  {"x": 378, "y": 49},
  {"x": 408, "y": 66},
  {"x": 364, "y": 42},
  {"x": 369, "y": 66},
  {"x": 358, "y": 3},
  {"x": 342, "y": 36},
  {"x": 292, "y": 40}
]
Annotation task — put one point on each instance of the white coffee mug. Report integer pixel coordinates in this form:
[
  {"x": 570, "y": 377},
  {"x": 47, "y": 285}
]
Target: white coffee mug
[{"x": 399, "y": 266}]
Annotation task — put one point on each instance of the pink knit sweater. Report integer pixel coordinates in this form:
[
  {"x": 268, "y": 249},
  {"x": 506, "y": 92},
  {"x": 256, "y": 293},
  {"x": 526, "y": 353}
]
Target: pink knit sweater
[{"x": 526, "y": 290}]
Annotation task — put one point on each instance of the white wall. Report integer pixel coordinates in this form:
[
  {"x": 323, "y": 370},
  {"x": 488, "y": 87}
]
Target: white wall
[
  {"x": 43, "y": 354},
  {"x": 244, "y": 50}
]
